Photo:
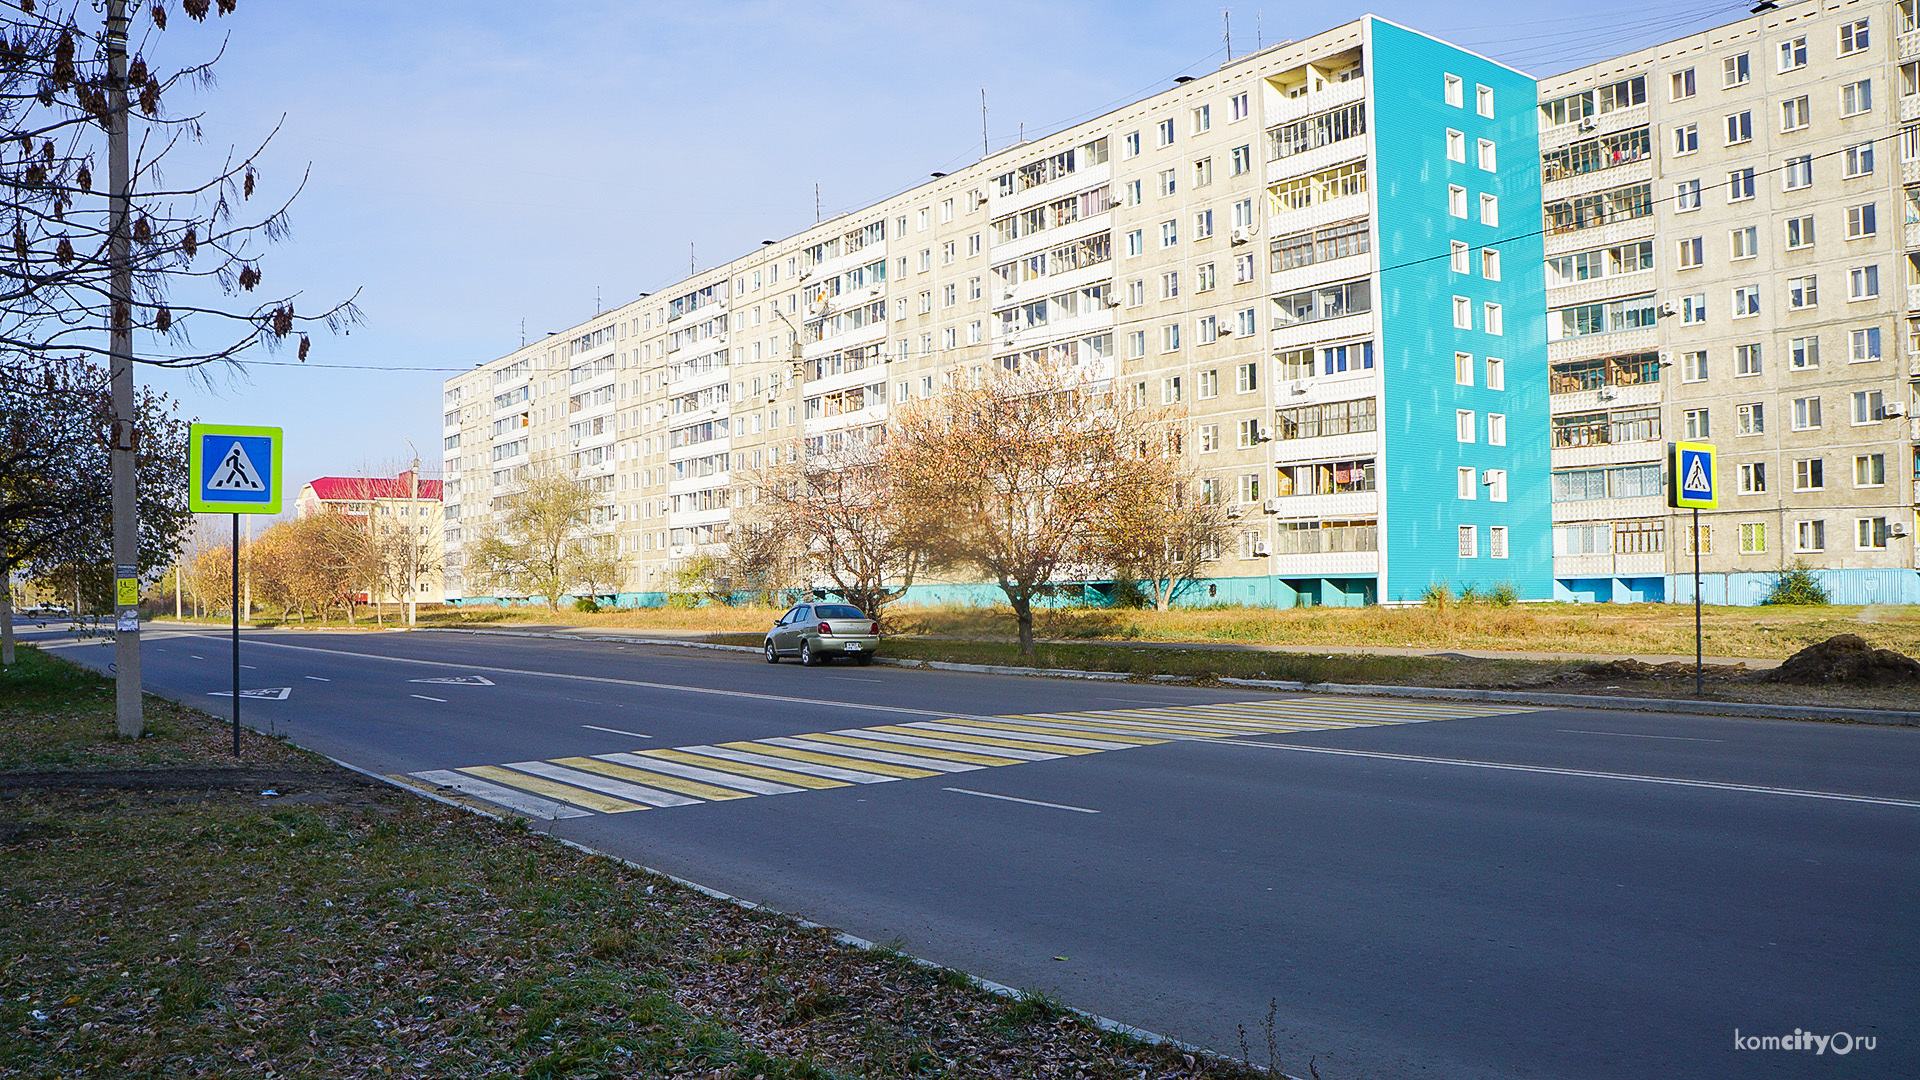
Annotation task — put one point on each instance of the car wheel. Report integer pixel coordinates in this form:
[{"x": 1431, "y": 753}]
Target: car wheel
[
  {"x": 773, "y": 654},
  {"x": 865, "y": 659},
  {"x": 809, "y": 658}
]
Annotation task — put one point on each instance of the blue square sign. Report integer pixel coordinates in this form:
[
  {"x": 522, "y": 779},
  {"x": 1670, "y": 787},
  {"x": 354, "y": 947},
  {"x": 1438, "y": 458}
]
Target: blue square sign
[
  {"x": 235, "y": 470},
  {"x": 1690, "y": 476}
]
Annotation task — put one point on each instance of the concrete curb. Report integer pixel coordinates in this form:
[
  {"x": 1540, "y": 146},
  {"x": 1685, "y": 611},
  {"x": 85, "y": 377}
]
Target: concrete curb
[{"x": 1887, "y": 717}]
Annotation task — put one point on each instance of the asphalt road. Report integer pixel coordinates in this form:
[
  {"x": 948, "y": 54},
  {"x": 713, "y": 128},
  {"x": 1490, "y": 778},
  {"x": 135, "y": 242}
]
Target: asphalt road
[{"x": 1473, "y": 892}]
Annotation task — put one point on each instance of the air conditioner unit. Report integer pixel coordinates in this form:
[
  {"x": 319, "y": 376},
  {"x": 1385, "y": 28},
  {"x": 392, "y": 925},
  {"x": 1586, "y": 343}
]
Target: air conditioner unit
[
  {"x": 805, "y": 274},
  {"x": 1486, "y": 477},
  {"x": 1896, "y": 530},
  {"x": 1264, "y": 434},
  {"x": 1226, "y": 331},
  {"x": 1607, "y": 394},
  {"x": 1113, "y": 301},
  {"x": 1893, "y": 410},
  {"x": 1234, "y": 511},
  {"x": 1669, "y": 309},
  {"x": 1272, "y": 506},
  {"x": 1588, "y": 124},
  {"x": 1299, "y": 386},
  {"x": 1243, "y": 234},
  {"x": 1260, "y": 548}
]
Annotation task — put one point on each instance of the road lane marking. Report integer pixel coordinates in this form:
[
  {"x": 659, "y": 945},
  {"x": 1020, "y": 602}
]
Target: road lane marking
[
  {"x": 659, "y": 780},
  {"x": 1632, "y": 735},
  {"x": 606, "y": 785},
  {"x": 424, "y": 697},
  {"x": 316, "y": 678},
  {"x": 1031, "y": 735},
  {"x": 886, "y": 756},
  {"x": 742, "y": 781},
  {"x": 960, "y": 733},
  {"x": 855, "y": 738},
  {"x": 615, "y": 731},
  {"x": 740, "y": 768},
  {"x": 908, "y": 737},
  {"x": 904, "y": 772},
  {"x": 592, "y": 800},
  {"x": 1636, "y": 778},
  {"x": 775, "y": 762},
  {"x": 511, "y": 798},
  {"x": 1029, "y": 802},
  {"x": 1093, "y": 738}
]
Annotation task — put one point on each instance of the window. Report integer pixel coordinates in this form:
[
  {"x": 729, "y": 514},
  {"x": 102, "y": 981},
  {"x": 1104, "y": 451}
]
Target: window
[
  {"x": 1750, "y": 419},
  {"x": 1856, "y": 97},
  {"x": 1744, "y": 243},
  {"x": 1680, "y": 85},
  {"x": 1201, "y": 118},
  {"x": 1170, "y": 338},
  {"x": 1247, "y": 318},
  {"x": 1462, "y": 313},
  {"x": 1606, "y": 317},
  {"x": 1136, "y": 293},
  {"x": 1203, "y": 225},
  {"x": 1746, "y": 301},
  {"x": 1169, "y": 233},
  {"x": 1456, "y": 146},
  {"x": 1243, "y": 214},
  {"x": 1463, "y": 425},
  {"x": 1863, "y": 283},
  {"x": 1170, "y": 390},
  {"x": 1463, "y": 369},
  {"x": 1469, "y": 541},
  {"x": 1686, "y": 196},
  {"x": 1746, "y": 360},
  {"x": 1137, "y": 344},
  {"x": 1203, "y": 172},
  {"x": 1483, "y": 100},
  {"x": 1753, "y": 478},
  {"x": 1205, "y": 278},
  {"x": 1861, "y": 221},
  {"x": 1207, "y": 330},
  {"x": 1734, "y": 71},
  {"x": 1870, "y": 534},
  {"x": 1857, "y": 161},
  {"x": 1495, "y": 324},
  {"x": 1335, "y": 359},
  {"x": 1497, "y": 541},
  {"x": 1490, "y": 264},
  {"x": 1489, "y": 209},
  {"x": 1249, "y": 433},
  {"x": 1693, "y": 367},
  {"x": 1247, "y": 378},
  {"x": 1209, "y": 438},
  {"x": 1487, "y": 158},
  {"x": 1456, "y": 92},
  {"x": 1809, "y": 474},
  {"x": 1867, "y": 407},
  {"x": 1496, "y": 485},
  {"x": 1799, "y": 233},
  {"x": 1740, "y": 185},
  {"x": 1456, "y": 200},
  {"x": 1459, "y": 259},
  {"x": 1240, "y": 106},
  {"x": 1870, "y": 470},
  {"x": 1753, "y": 538},
  {"x": 1130, "y": 145},
  {"x": 1793, "y": 54},
  {"x": 1496, "y": 373},
  {"x": 1166, "y": 132},
  {"x": 948, "y": 252},
  {"x": 1810, "y": 536},
  {"x": 1806, "y": 413},
  {"x": 1242, "y": 160},
  {"x": 1700, "y": 539},
  {"x": 1169, "y": 182},
  {"x": 1865, "y": 344},
  {"x": 1136, "y": 243},
  {"x": 1209, "y": 384},
  {"x": 1690, "y": 253},
  {"x": 1466, "y": 484},
  {"x": 1686, "y": 139},
  {"x": 1249, "y": 488},
  {"x": 1170, "y": 285},
  {"x": 1853, "y": 37},
  {"x": 1697, "y": 425},
  {"x": 1803, "y": 292},
  {"x": 1496, "y": 429},
  {"x": 1794, "y": 114},
  {"x": 1740, "y": 128}
]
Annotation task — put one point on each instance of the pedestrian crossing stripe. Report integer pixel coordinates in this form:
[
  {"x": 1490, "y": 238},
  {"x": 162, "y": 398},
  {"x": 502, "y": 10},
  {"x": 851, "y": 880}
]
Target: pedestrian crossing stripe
[{"x": 624, "y": 782}]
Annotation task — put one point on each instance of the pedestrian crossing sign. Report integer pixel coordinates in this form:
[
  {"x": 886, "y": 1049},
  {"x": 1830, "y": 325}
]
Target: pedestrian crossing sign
[
  {"x": 235, "y": 470},
  {"x": 1690, "y": 476}
]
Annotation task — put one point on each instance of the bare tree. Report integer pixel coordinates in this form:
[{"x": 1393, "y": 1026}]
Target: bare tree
[
  {"x": 1159, "y": 530},
  {"x": 843, "y": 514},
  {"x": 536, "y": 544},
  {"x": 1016, "y": 477}
]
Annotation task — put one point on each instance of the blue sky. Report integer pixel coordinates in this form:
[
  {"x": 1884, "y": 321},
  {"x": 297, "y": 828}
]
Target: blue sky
[{"x": 481, "y": 166}]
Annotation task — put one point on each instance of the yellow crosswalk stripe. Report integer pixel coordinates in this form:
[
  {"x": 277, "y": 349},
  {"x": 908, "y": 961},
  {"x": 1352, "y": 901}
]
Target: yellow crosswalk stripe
[
  {"x": 653, "y": 779},
  {"x": 1058, "y": 739},
  {"x": 742, "y": 768},
  {"x": 923, "y": 751},
  {"x": 905, "y": 772},
  {"x": 592, "y": 800},
  {"x": 1169, "y": 725},
  {"x": 959, "y": 733},
  {"x": 1090, "y": 736}
]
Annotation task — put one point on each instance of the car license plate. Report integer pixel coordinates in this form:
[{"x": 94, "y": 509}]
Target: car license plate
[{"x": 853, "y": 646}]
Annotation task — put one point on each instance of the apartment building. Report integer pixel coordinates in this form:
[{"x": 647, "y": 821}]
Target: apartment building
[
  {"x": 1732, "y": 249},
  {"x": 1302, "y": 254},
  {"x": 388, "y": 507}
]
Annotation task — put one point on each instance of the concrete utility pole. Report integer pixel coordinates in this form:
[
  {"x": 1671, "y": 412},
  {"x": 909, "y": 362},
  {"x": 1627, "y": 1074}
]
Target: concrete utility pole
[
  {"x": 413, "y": 538},
  {"x": 126, "y": 529}
]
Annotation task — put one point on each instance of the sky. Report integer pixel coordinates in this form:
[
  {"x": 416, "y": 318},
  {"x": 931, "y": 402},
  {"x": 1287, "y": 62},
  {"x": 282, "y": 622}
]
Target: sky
[{"x": 471, "y": 172}]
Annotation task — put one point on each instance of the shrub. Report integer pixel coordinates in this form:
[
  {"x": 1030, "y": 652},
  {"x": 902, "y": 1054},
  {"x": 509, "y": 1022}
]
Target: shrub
[
  {"x": 1796, "y": 584},
  {"x": 1470, "y": 596},
  {"x": 1438, "y": 595},
  {"x": 586, "y": 605},
  {"x": 1505, "y": 594}
]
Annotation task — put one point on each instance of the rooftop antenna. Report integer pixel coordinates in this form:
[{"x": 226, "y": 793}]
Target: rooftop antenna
[
  {"x": 1259, "y": 41},
  {"x": 690, "y": 267},
  {"x": 596, "y": 300},
  {"x": 1226, "y": 18},
  {"x": 816, "y": 202},
  {"x": 984, "y": 149},
  {"x": 523, "y": 332}
]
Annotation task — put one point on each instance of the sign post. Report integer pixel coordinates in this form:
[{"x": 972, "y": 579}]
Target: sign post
[
  {"x": 235, "y": 470},
  {"x": 1690, "y": 485}
]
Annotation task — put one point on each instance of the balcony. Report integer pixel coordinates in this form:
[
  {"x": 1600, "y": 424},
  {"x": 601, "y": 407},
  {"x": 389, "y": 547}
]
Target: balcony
[
  {"x": 1913, "y": 298},
  {"x": 1909, "y": 44},
  {"x": 1910, "y": 107}
]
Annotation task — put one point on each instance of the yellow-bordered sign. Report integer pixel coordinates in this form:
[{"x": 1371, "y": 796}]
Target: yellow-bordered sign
[
  {"x": 1691, "y": 484},
  {"x": 233, "y": 469}
]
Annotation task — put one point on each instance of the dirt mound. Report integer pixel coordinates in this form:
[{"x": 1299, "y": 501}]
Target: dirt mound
[
  {"x": 1845, "y": 658},
  {"x": 1639, "y": 669}
]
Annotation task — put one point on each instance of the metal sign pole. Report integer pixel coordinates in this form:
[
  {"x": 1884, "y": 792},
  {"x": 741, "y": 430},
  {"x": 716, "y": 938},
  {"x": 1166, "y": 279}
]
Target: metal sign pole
[
  {"x": 1699, "y": 668},
  {"x": 236, "y": 635}
]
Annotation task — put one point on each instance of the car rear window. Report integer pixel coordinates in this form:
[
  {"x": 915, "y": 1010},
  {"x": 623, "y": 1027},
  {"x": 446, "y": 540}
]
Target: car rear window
[{"x": 838, "y": 611}]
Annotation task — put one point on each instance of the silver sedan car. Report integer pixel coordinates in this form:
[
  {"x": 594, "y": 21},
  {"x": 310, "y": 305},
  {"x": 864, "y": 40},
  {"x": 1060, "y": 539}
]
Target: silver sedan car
[{"x": 817, "y": 633}]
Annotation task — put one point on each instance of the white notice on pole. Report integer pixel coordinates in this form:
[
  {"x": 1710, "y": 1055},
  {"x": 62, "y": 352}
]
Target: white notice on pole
[{"x": 236, "y": 473}]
